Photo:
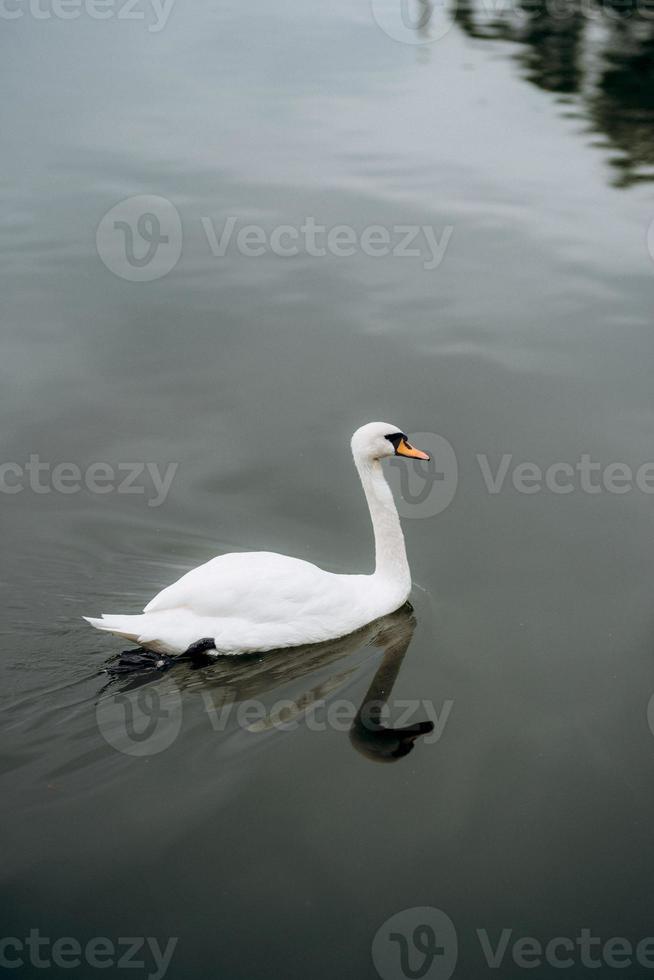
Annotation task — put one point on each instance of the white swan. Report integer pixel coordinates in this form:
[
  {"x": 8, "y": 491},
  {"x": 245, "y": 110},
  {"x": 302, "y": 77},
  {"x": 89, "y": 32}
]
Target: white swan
[{"x": 256, "y": 601}]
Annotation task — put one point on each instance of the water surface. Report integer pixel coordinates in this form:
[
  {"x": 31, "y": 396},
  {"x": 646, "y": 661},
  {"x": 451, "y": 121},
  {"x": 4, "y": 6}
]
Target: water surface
[{"x": 280, "y": 852}]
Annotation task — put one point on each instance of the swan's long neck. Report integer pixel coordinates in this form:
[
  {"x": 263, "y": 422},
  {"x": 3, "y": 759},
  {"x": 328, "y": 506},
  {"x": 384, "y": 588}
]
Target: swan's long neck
[{"x": 390, "y": 552}]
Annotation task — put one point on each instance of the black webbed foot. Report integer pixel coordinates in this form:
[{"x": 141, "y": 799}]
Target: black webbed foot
[{"x": 132, "y": 660}]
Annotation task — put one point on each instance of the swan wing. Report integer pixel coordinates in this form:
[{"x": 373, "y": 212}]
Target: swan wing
[{"x": 257, "y": 586}]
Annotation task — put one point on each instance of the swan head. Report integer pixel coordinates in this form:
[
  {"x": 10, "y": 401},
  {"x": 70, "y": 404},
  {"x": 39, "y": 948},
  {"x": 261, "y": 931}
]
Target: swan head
[{"x": 377, "y": 440}]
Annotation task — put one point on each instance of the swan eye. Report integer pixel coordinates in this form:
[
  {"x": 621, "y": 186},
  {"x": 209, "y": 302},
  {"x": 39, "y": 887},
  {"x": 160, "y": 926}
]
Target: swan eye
[{"x": 396, "y": 438}]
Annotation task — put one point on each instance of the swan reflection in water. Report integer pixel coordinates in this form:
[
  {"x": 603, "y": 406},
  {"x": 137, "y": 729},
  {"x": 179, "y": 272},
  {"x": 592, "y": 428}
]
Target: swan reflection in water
[
  {"x": 368, "y": 734},
  {"x": 232, "y": 680}
]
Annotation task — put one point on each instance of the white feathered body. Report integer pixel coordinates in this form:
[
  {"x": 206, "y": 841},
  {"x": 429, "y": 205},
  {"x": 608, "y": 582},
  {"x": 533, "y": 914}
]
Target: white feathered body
[{"x": 257, "y": 601}]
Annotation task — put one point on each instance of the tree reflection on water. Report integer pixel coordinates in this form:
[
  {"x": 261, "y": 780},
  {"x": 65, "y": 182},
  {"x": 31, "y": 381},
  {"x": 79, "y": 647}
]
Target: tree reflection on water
[{"x": 598, "y": 56}]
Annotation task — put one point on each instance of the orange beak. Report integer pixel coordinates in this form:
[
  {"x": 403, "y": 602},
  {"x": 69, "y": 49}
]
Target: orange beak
[{"x": 406, "y": 449}]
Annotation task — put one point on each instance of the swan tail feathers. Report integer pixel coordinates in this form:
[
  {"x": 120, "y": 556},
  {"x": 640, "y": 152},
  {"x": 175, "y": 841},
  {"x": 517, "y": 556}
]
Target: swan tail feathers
[
  {"x": 123, "y": 626},
  {"x": 156, "y": 633}
]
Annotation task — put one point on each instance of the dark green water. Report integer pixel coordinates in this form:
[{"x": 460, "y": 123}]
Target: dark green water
[{"x": 525, "y": 143}]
